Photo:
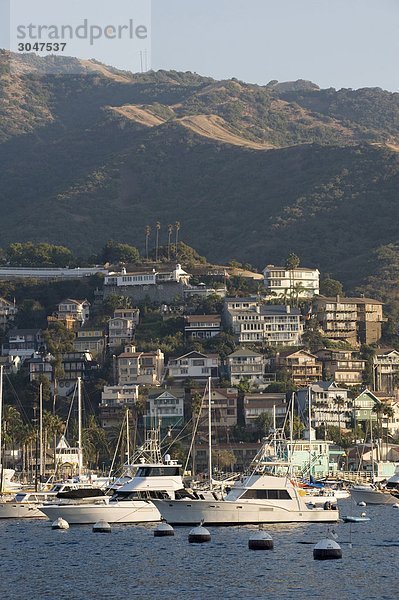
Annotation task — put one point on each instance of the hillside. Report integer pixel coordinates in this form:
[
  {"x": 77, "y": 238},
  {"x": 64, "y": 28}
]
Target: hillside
[{"x": 251, "y": 172}]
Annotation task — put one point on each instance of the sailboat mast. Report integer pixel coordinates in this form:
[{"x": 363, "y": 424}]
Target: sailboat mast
[
  {"x": 41, "y": 430},
  {"x": 310, "y": 429},
  {"x": 372, "y": 449},
  {"x": 80, "y": 462},
  {"x": 1, "y": 412},
  {"x": 127, "y": 437},
  {"x": 210, "y": 433},
  {"x": 1, "y": 430}
]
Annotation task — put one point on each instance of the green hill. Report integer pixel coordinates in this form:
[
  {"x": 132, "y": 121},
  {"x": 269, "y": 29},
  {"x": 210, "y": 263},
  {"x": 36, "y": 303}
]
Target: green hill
[{"x": 250, "y": 172}]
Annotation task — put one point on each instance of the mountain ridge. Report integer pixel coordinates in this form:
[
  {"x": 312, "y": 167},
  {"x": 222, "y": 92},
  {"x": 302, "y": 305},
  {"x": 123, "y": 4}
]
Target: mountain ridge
[{"x": 251, "y": 172}]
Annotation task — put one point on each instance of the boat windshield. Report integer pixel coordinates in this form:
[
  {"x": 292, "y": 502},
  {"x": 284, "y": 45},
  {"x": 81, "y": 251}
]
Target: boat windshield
[
  {"x": 157, "y": 471},
  {"x": 265, "y": 495}
]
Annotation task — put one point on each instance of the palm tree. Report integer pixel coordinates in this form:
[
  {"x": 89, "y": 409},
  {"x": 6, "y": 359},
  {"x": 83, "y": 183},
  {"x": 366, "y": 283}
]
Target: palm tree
[
  {"x": 339, "y": 402},
  {"x": 389, "y": 413},
  {"x": 157, "y": 227},
  {"x": 177, "y": 228},
  {"x": 170, "y": 231},
  {"x": 147, "y": 232}
]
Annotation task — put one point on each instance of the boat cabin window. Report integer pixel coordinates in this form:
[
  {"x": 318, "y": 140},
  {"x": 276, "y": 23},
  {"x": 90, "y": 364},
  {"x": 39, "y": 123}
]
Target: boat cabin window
[
  {"x": 266, "y": 495},
  {"x": 157, "y": 471}
]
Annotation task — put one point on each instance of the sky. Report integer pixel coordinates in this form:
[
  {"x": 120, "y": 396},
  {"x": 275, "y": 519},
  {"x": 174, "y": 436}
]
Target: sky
[{"x": 335, "y": 43}]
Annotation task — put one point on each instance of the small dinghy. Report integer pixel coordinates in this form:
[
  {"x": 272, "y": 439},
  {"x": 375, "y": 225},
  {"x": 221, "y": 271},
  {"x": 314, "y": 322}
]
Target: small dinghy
[{"x": 352, "y": 519}]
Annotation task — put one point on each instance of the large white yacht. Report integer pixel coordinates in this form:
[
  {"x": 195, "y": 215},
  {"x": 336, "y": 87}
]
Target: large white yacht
[
  {"x": 132, "y": 503},
  {"x": 256, "y": 498}
]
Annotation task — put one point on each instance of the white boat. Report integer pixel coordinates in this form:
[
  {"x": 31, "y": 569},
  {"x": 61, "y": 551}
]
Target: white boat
[
  {"x": 257, "y": 498},
  {"x": 132, "y": 503},
  {"x": 28, "y": 504},
  {"x": 372, "y": 494}
]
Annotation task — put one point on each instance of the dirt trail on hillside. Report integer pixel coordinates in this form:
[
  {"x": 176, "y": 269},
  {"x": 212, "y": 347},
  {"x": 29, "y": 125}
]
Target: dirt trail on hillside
[{"x": 216, "y": 128}]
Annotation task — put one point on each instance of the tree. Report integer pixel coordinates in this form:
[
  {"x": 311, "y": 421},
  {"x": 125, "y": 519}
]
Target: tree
[
  {"x": 292, "y": 262},
  {"x": 339, "y": 402},
  {"x": 114, "y": 252},
  {"x": 264, "y": 422},
  {"x": 223, "y": 459},
  {"x": 331, "y": 287},
  {"x": 58, "y": 338},
  {"x": 39, "y": 255}
]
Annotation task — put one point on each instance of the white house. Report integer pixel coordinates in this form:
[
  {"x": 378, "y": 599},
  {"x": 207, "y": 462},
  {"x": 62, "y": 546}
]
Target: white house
[
  {"x": 165, "y": 409},
  {"x": 78, "y": 310},
  {"x": 246, "y": 365},
  {"x": 194, "y": 365},
  {"x": 270, "y": 324},
  {"x": 286, "y": 283}
]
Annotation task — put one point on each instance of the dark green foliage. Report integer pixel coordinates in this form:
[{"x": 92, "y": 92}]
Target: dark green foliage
[
  {"x": 38, "y": 255},
  {"x": 331, "y": 287},
  {"x": 114, "y": 252}
]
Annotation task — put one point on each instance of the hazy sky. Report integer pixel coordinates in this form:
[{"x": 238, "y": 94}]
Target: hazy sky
[{"x": 339, "y": 43}]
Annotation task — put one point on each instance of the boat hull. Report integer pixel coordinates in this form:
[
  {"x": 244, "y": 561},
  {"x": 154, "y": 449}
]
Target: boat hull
[
  {"x": 135, "y": 511},
  {"x": 178, "y": 512},
  {"x": 20, "y": 510},
  {"x": 370, "y": 496}
]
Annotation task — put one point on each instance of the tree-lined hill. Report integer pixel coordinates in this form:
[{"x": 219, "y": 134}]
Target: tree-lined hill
[{"x": 250, "y": 172}]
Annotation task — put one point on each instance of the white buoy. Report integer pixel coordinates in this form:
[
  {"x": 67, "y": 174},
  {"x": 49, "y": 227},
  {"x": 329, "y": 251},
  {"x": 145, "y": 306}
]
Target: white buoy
[
  {"x": 199, "y": 535},
  {"x": 102, "y": 527},
  {"x": 361, "y": 504},
  {"x": 260, "y": 540},
  {"x": 60, "y": 524},
  {"x": 164, "y": 530},
  {"x": 363, "y": 514},
  {"x": 396, "y": 505},
  {"x": 327, "y": 549}
]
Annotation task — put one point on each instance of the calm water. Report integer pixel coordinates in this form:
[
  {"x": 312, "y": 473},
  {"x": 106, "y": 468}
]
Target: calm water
[{"x": 39, "y": 563}]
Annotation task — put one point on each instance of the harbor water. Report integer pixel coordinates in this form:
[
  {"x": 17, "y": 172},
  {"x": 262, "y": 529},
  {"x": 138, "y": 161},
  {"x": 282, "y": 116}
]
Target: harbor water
[{"x": 130, "y": 562}]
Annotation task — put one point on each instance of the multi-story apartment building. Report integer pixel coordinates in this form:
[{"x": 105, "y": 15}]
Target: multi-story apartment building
[
  {"x": 272, "y": 404},
  {"x": 291, "y": 283},
  {"x": 386, "y": 370},
  {"x": 23, "y": 343},
  {"x": 140, "y": 368},
  {"x": 115, "y": 399},
  {"x": 223, "y": 408},
  {"x": 354, "y": 320},
  {"x": 165, "y": 409},
  {"x": 90, "y": 339},
  {"x": 202, "y": 327},
  {"x": 246, "y": 365},
  {"x": 8, "y": 310},
  {"x": 345, "y": 367},
  {"x": 268, "y": 324},
  {"x": 330, "y": 405},
  {"x": 302, "y": 366},
  {"x": 194, "y": 365},
  {"x": 121, "y": 327}
]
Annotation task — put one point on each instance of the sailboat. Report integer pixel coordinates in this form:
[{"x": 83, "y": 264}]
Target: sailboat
[
  {"x": 373, "y": 493},
  {"x": 29, "y": 504},
  {"x": 6, "y": 484}
]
